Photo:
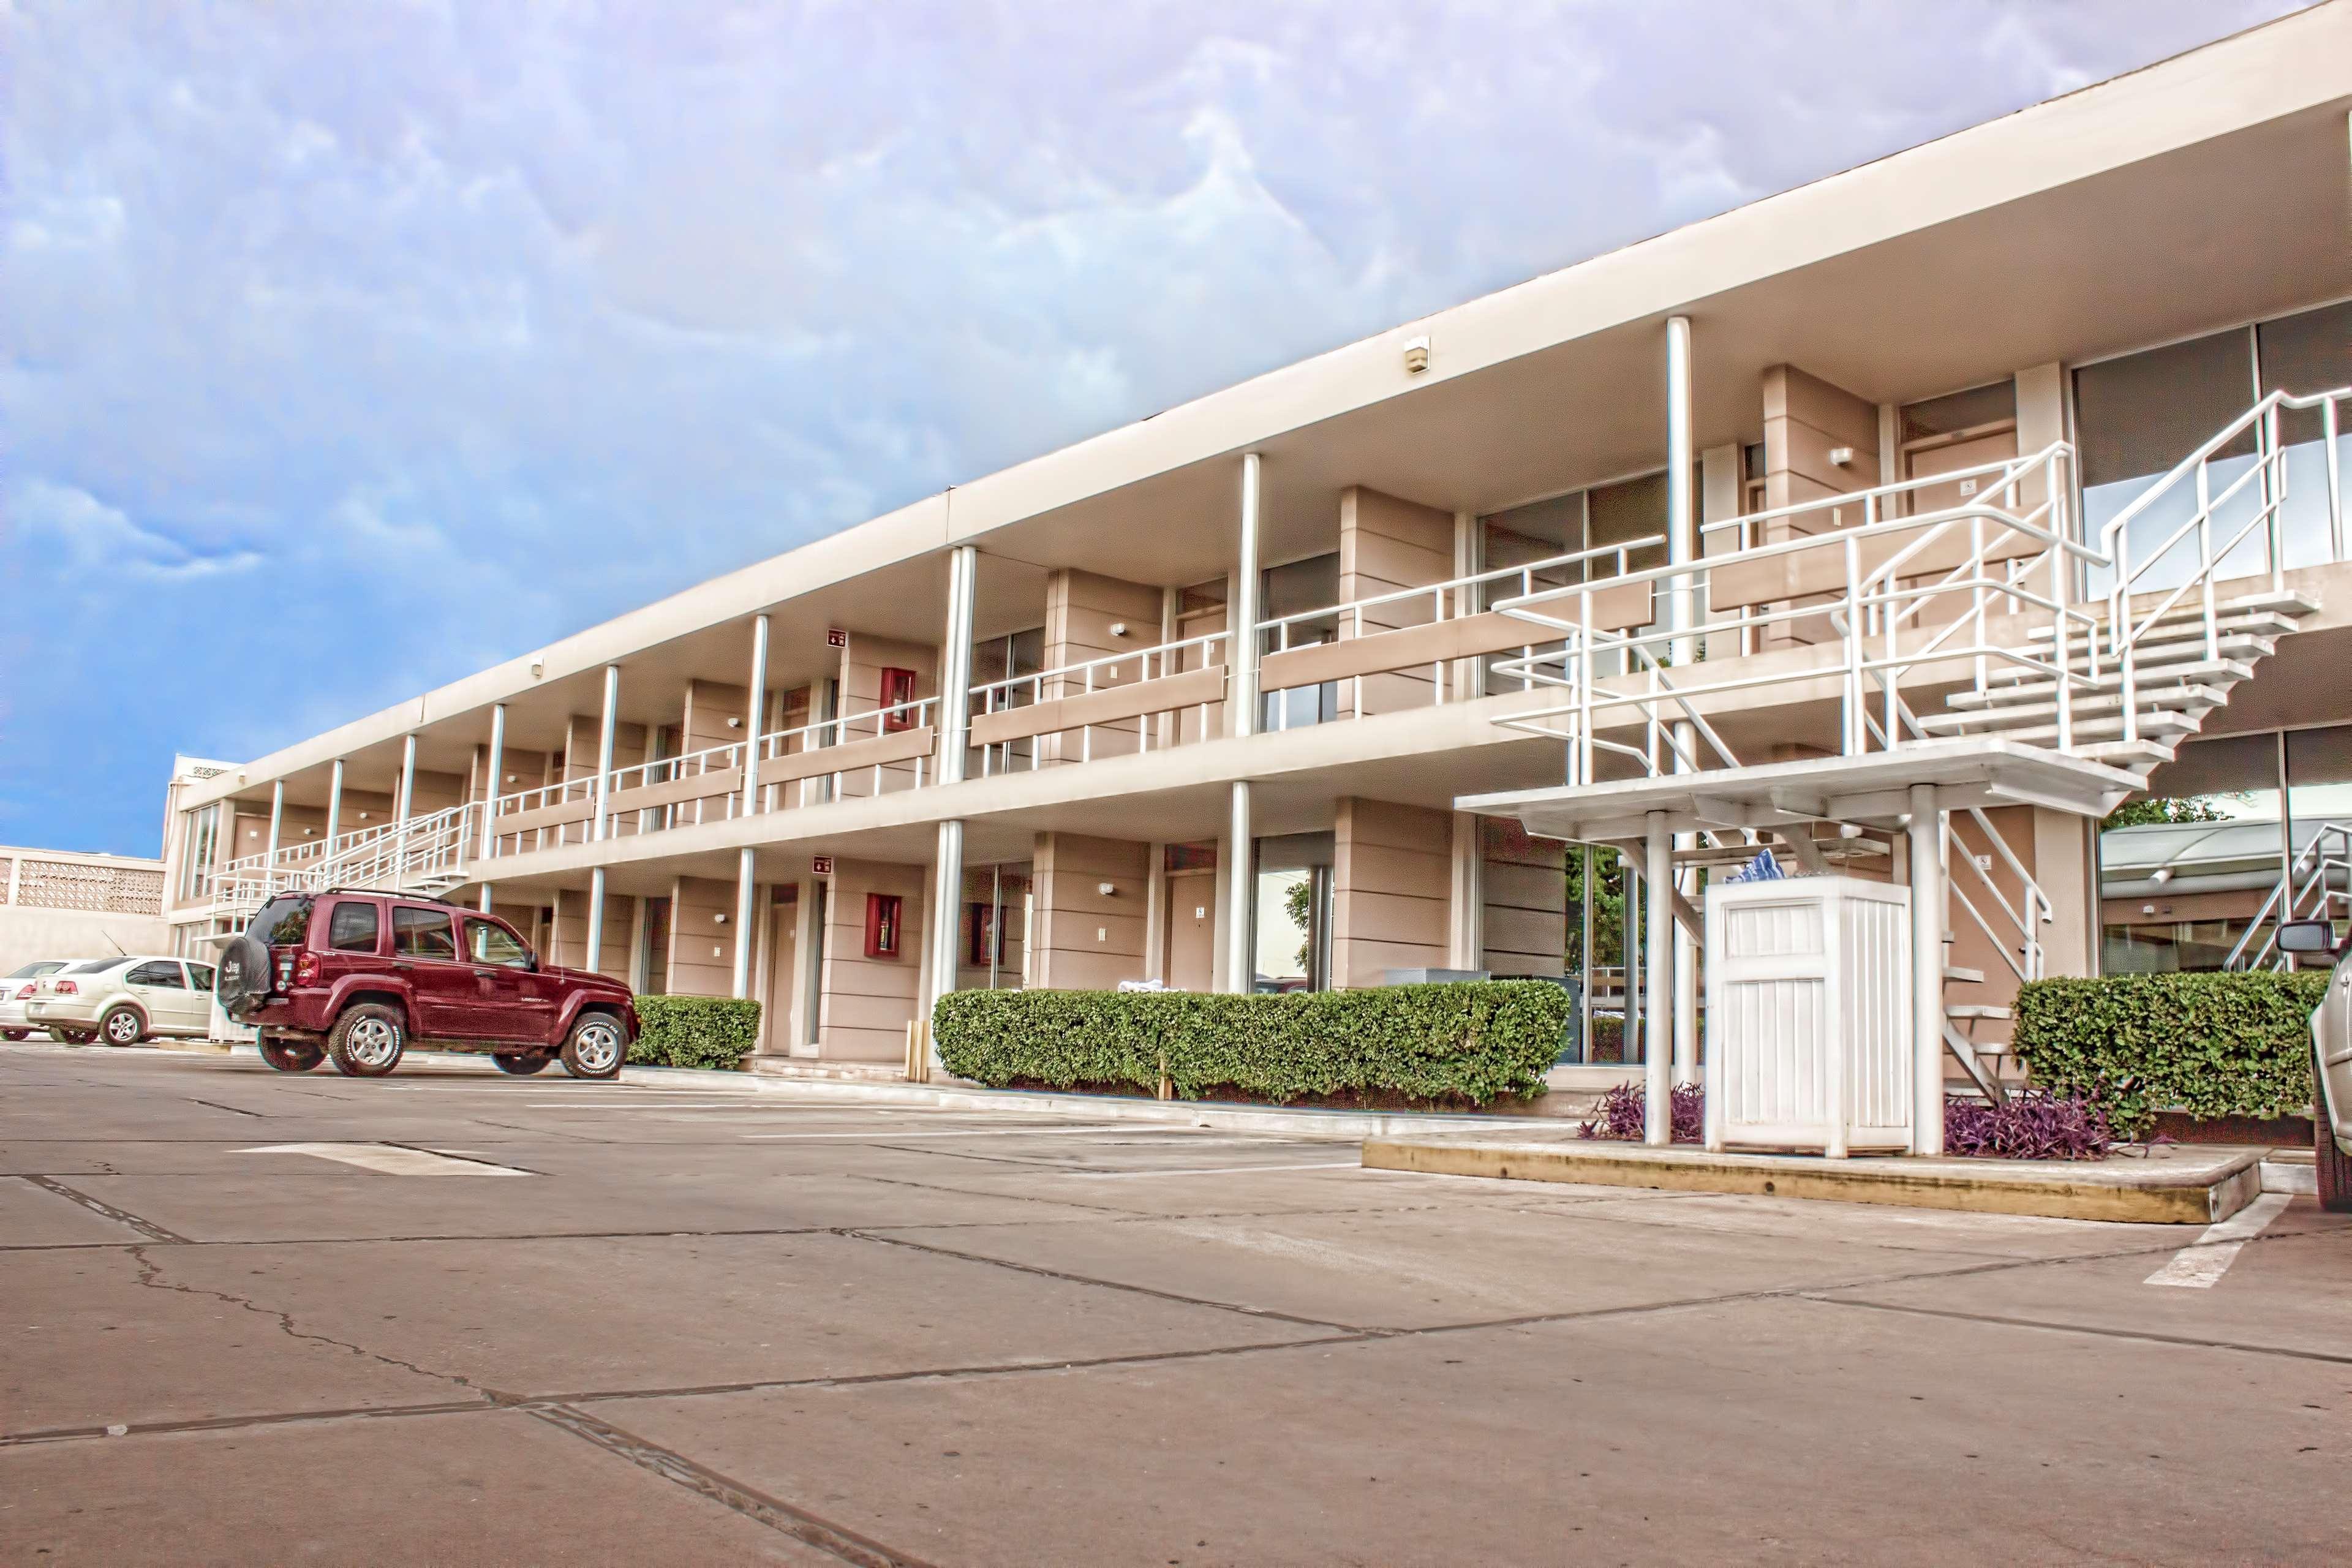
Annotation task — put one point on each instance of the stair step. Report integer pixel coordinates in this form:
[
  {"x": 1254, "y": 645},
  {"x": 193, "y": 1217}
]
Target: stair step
[
  {"x": 2151, "y": 685},
  {"x": 1970, "y": 1010},
  {"x": 2141, "y": 757},
  {"x": 2159, "y": 725},
  {"x": 2005, "y": 721},
  {"x": 1956, "y": 975}
]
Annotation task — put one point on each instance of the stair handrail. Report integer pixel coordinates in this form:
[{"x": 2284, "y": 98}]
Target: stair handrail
[{"x": 2286, "y": 892}]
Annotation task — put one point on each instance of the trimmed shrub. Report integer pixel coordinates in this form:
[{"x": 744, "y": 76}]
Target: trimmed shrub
[
  {"x": 694, "y": 1031},
  {"x": 2211, "y": 1045},
  {"x": 1460, "y": 1040}
]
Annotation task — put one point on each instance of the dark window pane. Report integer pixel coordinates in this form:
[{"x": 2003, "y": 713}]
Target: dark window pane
[
  {"x": 162, "y": 976},
  {"x": 2140, "y": 415},
  {"x": 1959, "y": 411},
  {"x": 282, "y": 922},
  {"x": 490, "y": 943},
  {"x": 201, "y": 974},
  {"x": 422, "y": 933},
  {"x": 2303, "y": 355},
  {"x": 353, "y": 928}
]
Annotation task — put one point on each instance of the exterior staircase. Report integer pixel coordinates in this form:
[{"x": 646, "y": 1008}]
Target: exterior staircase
[{"x": 425, "y": 855}]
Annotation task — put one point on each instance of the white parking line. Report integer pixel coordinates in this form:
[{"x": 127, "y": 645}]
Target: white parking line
[
  {"x": 2202, "y": 1262},
  {"x": 390, "y": 1158},
  {"x": 901, "y": 1137},
  {"x": 1217, "y": 1171}
]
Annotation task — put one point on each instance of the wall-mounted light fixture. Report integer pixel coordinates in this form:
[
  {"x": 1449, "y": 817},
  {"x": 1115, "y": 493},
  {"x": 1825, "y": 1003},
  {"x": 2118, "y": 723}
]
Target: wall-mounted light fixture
[
  {"x": 719, "y": 918},
  {"x": 538, "y": 669},
  {"x": 1416, "y": 355},
  {"x": 1108, "y": 889},
  {"x": 734, "y": 723},
  {"x": 1839, "y": 457},
  {"x": 1118, "y": 628}
]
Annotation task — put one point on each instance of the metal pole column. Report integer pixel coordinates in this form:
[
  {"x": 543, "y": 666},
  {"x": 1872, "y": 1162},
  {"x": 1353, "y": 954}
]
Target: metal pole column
[
  {"x": 1241, "y": 621},
  {"x": 1241, "y": 887},
  {"x": 595, "y": 918},
  {"x": 496, "y": 776},
  {"x": 1657, "y": 979},
  {"x": 1927, "y": 916},
  {"x": 277, "y": 821},
  {"x": 755, "y": 705},
  {"x": 334, "y": 807},
  {"x": 955, "y": 731},
  {"x": 1682, "y": 617},
  {"x": 604, "y": 752},
  {"x": 400, "y": 810},
  {"x": 744, "y": 888}
]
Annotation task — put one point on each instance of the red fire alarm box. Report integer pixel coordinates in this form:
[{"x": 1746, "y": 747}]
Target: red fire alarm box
[
  {"x": 882, "y": 925},
  {"x": 898, "y": 700}
]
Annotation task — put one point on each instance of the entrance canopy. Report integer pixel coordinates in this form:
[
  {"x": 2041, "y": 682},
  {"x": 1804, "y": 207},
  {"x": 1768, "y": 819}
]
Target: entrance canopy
[{"x": 1872, "y": 790}]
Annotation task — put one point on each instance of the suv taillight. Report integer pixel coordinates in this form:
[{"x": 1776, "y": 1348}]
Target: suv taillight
[
  {"x": 306, "y": 968},
  {"x": 68, "y": 988}
]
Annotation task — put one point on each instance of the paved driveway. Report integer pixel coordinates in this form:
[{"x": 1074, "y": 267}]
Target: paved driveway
[{"x": 450, "y": 1317}]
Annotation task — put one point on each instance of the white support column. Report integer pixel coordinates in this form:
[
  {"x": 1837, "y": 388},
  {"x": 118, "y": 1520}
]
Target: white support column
[
  {"x": 755, "y": 712},
  {"x": 400, "y": 809},
  {"x": 1657, "y": 983},
  {"x": 1155, "y": 914},
  {"x": 945, "y": 917},
  {"x": 1465, "y": 936},
  {"x": 276, "y": 824},
  {"x": 595, "y": 919},
  {"x": 745, "y": 886},
  {"x": 1464, "y": 673},
  {"x": 334, "y": 803},
  {"x": 945, "y": 920},
  {"x": 1682, "y": 529},
  {"x": 604, "y": 752},
  {"x": 1241, "y": 888},
  {"x": 494, "y": 773},
  {"x": 1242, "y": 615},
  {"x": 1927, "y": 916}
]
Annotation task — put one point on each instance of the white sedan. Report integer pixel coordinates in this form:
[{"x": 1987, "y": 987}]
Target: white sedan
[
  {"x": 16, "y": 990},
  {"x": 123, "y": 1001}
]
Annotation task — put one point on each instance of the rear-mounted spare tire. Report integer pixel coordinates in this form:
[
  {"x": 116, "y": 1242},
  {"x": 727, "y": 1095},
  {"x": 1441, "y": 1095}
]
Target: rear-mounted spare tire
[{"x": 242, "y": 982}]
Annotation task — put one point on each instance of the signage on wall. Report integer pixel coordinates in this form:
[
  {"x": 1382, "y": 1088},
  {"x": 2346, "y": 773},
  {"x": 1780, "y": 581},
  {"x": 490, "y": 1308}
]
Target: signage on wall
[
  {"x": 822, "y": 866},
  {"x": 835, "y": 637}
]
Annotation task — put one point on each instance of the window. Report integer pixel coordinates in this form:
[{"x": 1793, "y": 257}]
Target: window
[
  {"x": 897, "y": 699},
  {"x": 204, "y": 826},
  {"x": 200, "y": 977},
  {"x": 353, "y": 928},
  {"x": 422, "y": 933},
  {"x": 92, "y": 965},
  {"x": 2138, "y": 416},
  {"x": 489, "y": 942},
  {"x": 163, "y": 975},
  {"x": 284, "y": 921},
  {"x": 2301, "y": 355}
]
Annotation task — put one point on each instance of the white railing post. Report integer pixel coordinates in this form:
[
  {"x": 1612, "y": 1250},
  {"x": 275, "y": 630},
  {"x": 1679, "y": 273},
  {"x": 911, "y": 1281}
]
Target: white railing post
[
  {"x": 497, "y": 771},
  {"x": 1929, "y": 910},
  {"x": 1241, "y": 615},
  {"x": 401, "y": 809},
  {"x": 1657, "y": 991},
  {"x": 2273, "y": 457},
  {"x": 2329, "y": 435},
  {"x": 276, "y": 823}
]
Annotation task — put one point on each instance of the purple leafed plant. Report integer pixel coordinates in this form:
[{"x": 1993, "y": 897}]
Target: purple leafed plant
[
  {"x": 1618, "y": 1114},
  {"x": 2033, "y": 1124}
]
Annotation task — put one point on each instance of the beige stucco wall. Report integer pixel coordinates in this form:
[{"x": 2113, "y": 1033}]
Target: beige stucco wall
[
  {"x": 1523, "y": 882},
  {"x": 1085, "y": 939},
  {"x": 1391, "y": 873},
  {"x": 1386, "y": 543},
  {"x": 866, "y": 1004},
  {"x": 702, "y": 944}
]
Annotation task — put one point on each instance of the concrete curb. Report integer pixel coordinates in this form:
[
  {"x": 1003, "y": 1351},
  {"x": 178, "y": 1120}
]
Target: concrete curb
[{"x": 2177, "y": 1191}]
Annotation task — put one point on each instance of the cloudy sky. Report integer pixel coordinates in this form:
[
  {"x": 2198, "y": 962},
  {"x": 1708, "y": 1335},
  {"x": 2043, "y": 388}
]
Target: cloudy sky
[{"x": 345, "y": 349}]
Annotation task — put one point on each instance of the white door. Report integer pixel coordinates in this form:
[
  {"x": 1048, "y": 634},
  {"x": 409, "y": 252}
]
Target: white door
[
  {"x": 200, "y": 996},
  {"x": 161, "y": 989}
]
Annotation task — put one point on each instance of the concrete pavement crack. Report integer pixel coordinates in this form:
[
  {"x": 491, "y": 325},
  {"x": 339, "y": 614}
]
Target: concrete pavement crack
[
  {"x": 147, "y": 1228},
  {"x": 777, "y": 1515},
  {"x": 2145, "y": 1336},
  {"x": 151, "y": 1277}
]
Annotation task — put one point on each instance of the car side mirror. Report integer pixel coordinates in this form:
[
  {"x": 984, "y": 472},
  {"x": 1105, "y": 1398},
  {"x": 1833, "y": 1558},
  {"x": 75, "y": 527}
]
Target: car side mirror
[
  {"x": 531, "y": 961},
  {"x": 2307, "y": 936}
]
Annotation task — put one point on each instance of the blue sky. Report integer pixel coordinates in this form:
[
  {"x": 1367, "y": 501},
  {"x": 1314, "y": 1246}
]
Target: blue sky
[{"x": 346, "y": 349}]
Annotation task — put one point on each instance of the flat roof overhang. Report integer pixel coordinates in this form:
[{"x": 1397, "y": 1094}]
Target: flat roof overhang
[
  {"x": 2200, "y": 192},
  {"x": 1873, "y": 790}
]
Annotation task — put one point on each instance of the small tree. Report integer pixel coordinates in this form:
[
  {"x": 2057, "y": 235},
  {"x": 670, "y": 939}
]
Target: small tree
[{"x": 2169, "y": 808}]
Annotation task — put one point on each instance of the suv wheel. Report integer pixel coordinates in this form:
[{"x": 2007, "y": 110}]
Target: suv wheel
[
  {"x": 72, "y": 1037},
  {"x": 520, "y": 1064},
  {"x": 2335, "y": 1166},
  {"x": 367, "y": 1040},
  {"x": 290, "y": 1057},
  {"x": 13, "y": 1036},
  {"x": 123, "y": 1026},
  {"x": 594, "y": 1048}
]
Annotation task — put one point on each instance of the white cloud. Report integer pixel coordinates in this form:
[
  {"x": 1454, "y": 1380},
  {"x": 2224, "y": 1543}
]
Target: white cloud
[{"x": 99, "y": 547}]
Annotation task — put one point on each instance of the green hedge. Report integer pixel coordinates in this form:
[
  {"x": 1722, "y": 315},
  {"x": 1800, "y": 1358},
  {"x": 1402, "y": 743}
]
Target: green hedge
[
  {"x": 694, "y": 1031},
  {"x": 1466, "y": 1039},
  {"x": 2211, "y": 1045}
]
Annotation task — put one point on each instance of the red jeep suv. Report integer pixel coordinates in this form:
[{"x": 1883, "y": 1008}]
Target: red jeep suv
[{"x": 353, "y": 976}]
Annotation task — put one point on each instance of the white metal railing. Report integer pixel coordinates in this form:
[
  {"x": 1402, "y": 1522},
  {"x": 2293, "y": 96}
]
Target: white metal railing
[
  {"x": 420, "y": 852},
  {"x": 539, "y": 798},
  {"x": 1099, "y": 674},
  {"x": 827, "y": 734},
  {"x": 1451, "y": 599},
  {"x": 2317, "y": 884},
  {"x": 723, "y": 757},
  {"x": 2264, "y": 483}
]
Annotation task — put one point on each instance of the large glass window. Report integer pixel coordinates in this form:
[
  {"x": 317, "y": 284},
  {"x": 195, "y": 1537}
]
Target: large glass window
[
  {"x": 995, "y": 938},
  {"x": 2187, "y": 871},
  {"x": 1293, "y": 589},
  {"x": 2303, "y": 354},
  {"x": 422, "y": 933},
  {"x": 2319, "y": 823},
  {"x": 1293, "y": 917},
  {"x": 2136, "y": 418},
  {"x": 204, "y": 831}
]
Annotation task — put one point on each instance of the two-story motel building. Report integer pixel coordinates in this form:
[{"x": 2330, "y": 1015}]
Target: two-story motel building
[{"x": 1201, "y": 700}]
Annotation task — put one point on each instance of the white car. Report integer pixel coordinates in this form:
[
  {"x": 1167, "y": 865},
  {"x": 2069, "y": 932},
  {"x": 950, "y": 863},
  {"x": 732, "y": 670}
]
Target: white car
[
  {"x": 16, "y": 990},
  {"x": 123, "y": 1001},
  {"x": 2331, "y": 1041}
]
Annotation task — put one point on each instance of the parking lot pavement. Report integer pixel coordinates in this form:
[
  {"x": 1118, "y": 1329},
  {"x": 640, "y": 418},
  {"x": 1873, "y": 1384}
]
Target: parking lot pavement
[{"x": 449, "y": 1316}]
